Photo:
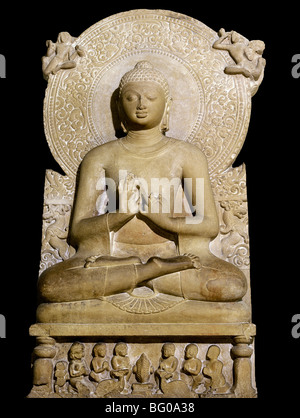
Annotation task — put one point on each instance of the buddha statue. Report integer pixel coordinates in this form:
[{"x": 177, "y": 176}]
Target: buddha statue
[{"x": 143, "y": 154}]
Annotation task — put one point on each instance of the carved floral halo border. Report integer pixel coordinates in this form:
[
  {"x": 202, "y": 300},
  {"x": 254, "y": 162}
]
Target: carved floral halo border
[{"x": 220, "y": 105}]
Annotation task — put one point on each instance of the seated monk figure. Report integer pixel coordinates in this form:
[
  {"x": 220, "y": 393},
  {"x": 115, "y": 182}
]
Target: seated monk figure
[{"x": 144, "y": 153}]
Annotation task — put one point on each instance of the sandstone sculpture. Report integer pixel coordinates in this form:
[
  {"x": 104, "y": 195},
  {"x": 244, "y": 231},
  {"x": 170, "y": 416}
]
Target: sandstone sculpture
[{"x": 153, "y": 240}]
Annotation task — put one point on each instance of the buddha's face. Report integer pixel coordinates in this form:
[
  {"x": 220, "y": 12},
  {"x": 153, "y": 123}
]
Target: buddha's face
[{"x": 143, "y": 104}]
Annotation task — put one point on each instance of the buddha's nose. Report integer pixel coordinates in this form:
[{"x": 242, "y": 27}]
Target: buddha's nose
[{"x": 141, "y": 104}]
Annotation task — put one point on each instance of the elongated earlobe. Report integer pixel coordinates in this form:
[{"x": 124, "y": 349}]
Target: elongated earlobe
[
  {"x": 121, "y": 116},
  {"x": 164, "y": 126},
  {"x": 124, "y": 129}
]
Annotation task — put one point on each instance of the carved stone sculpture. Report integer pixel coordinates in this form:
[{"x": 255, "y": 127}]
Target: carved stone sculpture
[
  {"x": 60, "y": 55},
  {"x": 61, "y": 377},
  {"x": 247, "y": 55},
  {"x": 213, "y": 371},
  {"x": 144, "y": 103},
  {"x": 192, "y": 366},
  {"x": 99, "y": 365},
  {"x": 168, "y": 377},
  {"x": 78, "y": 370},
  {"x": 146, "y": 112},
  {"x": 143, "y": 369}
]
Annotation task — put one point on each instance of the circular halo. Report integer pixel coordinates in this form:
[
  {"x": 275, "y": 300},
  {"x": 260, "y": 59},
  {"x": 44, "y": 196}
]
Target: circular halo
[{"x": 210, "y": 108}]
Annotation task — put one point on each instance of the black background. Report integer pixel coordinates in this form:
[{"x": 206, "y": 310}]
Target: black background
[{"x": 270, "y": 153}]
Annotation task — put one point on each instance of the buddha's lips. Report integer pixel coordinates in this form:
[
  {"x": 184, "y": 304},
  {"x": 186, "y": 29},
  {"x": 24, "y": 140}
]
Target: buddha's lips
[{"x": 141, "y": 114}]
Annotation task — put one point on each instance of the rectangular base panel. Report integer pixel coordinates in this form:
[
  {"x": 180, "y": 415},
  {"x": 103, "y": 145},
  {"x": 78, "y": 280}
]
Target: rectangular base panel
[{"x": 140, "y": 361}]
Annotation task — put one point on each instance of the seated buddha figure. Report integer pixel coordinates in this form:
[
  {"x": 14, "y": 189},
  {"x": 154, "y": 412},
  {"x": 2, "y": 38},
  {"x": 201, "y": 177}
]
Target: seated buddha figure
[{"x": 144, "y": 153}]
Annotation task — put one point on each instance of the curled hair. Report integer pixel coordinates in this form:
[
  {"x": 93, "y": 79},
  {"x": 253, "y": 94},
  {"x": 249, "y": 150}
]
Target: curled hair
[{"x": 144, "y": 71}]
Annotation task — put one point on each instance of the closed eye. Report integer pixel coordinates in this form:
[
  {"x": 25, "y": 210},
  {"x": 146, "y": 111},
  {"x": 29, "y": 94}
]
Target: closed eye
[{"x": 131, "y": 97}]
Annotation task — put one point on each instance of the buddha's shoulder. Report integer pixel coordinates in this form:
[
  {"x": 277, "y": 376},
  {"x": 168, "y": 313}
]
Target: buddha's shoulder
[
  {"x": 102, "y": 151},
  {"x": 186, "y": 148}
]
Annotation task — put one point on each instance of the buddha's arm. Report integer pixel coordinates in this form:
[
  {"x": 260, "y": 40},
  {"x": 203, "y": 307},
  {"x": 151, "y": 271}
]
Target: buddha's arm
[
  {"x": 87, "y": 225},
  {"x": 205, "y": 221},
  {"x": 199, "y": 193}
]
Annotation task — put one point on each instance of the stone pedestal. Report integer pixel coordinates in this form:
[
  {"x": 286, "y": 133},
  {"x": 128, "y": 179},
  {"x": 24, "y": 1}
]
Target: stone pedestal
[{"x": 224, "y": 353}]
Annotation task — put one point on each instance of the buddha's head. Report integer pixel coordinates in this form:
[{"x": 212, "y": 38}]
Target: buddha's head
[{"x": 144, "y": 99}]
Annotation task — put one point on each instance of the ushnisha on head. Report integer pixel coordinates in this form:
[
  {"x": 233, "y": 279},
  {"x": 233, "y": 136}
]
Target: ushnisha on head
[
  {"x": 144, "y": 74},
  {"x": 144, "y": 71}
]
